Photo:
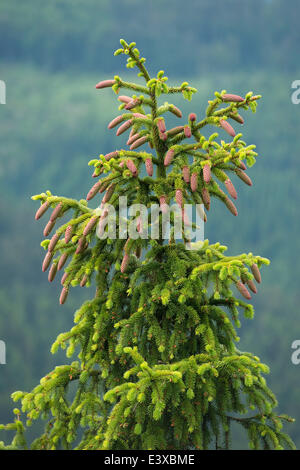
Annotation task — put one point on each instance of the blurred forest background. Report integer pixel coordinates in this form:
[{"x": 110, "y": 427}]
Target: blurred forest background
[{"x": 52, "y": 54}]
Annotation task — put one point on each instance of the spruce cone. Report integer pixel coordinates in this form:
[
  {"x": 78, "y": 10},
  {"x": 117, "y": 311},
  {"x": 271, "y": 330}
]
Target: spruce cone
[
  {"x": 47, "y": 261},
  {"x": 227, "y": 127},
  {"x": 229, "y": 204},
  {"x": 117, "y": 120},
  {"x": 174, "y": 131},
  {"x": 89, "y": 226},
  {"x": 192, "y": 117},
  {"x": 232, "y": 98},
  {"x": 169, "y": 157},
  {"x": 243, "y": 290},
  {"x": 194, "y": 182},
  {"x": 124, "y": 127},
  {"x": 251, "y": 285},
  {"x": 52, "y": 272},
  {"x": 41, "y": 211},
  {"x": 205, "y": 198},
  {"x": 179, "y": 197},
  {"x": 62, "y": 261},
  {"x": 133, "y": 138},
  {"x": 63, "y": 279},
  {"x": 137, "y": 143},
  {"x": 206, "y": 173},
  {"x": 94, "y": 190},
  {"x": 163, "y": 203},
  {"x": 105, "y": 84},
  {"x": 163, "y": 136},
  {"x": 81, "y": 245},
  {"x": 244, "y": 177},
  {"x": 231, "y": 188},
  {"x": 236, "y": 117},
  {"x": 110, "y": 155},
  {"x": 83, "y": 281},
  {"x": 63, "y": 295},
  {"x": 133, "y": 103},
  {"x": 68, "y": 233},
  {"x": 124, "y": 98},
  {"x": 173, "y": 109},
  {"x": 53, "y": 242},
  {"x": 109, "y": 193},
  {"x": 56, "y": 212},
  {"x": 48, "y": 227},
  {"x": 256, "y": 273},
  {"x": 186, "y": 173},
  {"x": 161, "y": 125},
  {"x": 149, "y": 166},
  {"x": 131, "y": 167},
  {"x": 187, "y": 131},
  {"x": 124, "y": 262}
]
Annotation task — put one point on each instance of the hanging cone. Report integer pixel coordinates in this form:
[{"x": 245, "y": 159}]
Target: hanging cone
[
  {"x": 41, "y": 211},
  {"x": 133, "y": 138},
  {"x": 63, "y": 279},
  {"x": 63, "y": 295},
  {"x": 186, "y": 173},
  {"x": 227, "y": 127},
  {"x": 124, "y": 127},
  {"x": 169, "y": 157},
  {"x": 137, "y": 143},
  {"x": 178, "y": 197},
  {"x": 149, "y": 166},
  {"x": 90, "y": 225},
  {"x": 62, "y": 261},
  {"x": 187, "y": 131},
  {"x": 230, "y": 188},
  {"x": 53, "y": 242},
  {"x": 206, "y": 173},
  {"x": 244, "y": 177},
  {"x": 110, "y": 155},
  {"x": 68, "y": 233},
  {"x": 47, "y": 261},
  {"x": 124, "y": 262},
  {"x": 161, "y": 125},
  {"x": 251, "y": 285},
  {"x": 194, "y": 182},
  {"x": 243, "y": 290},
  {"x": 229, "y": 204},
  {"x": 133, "y": 103},
  {"x": 124, "y": 98},
  {"x": 83, "y": 281},
  {"x": 173, "y": 109},
  {"x": 163, "y": 204},
  {"x": 117, "y": 120},
  {"x": 206, "y": 198},
  {"x": 174, "y": 131},
  {"x": 56, "y": 212},
  {"x": 256, "y": 273},
  {"x": 131, "y": 167},
  {"x": 94, "y": 190},
  {"x": 105, "y": 84},
  {"x": 232, "y": 98},
  {"x": 48, "y": 227},
  {"x": 81, "y": 245},
  {"x": 236, "y": 117},
  {"x": 109, "y": 193},
  {"x": 52, "y": 272}
]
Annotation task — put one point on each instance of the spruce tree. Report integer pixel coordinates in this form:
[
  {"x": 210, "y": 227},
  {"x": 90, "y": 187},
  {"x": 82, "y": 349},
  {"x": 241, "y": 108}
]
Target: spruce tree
[{"x": 158, "y": 364}]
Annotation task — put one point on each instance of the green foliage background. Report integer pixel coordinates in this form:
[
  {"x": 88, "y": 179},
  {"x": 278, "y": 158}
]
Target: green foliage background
[{"x": 52, "y": 54}]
